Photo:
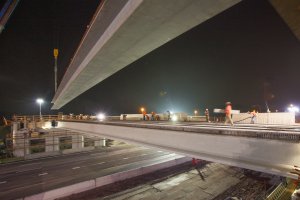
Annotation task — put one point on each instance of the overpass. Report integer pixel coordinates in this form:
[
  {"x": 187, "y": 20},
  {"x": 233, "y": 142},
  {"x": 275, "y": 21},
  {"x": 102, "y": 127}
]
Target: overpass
[
  {"x": 267, "y": 148},
  {"x": 121, "y": 32}
]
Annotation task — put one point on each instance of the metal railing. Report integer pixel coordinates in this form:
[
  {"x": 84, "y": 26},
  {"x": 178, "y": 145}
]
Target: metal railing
[
  {"x": 282, "y": 191},
  {"x": 23, "y": 118}
]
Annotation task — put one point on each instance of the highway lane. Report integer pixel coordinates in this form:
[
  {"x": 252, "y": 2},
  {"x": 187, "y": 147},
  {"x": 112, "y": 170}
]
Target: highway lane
[{"x": 30, "y": 177}]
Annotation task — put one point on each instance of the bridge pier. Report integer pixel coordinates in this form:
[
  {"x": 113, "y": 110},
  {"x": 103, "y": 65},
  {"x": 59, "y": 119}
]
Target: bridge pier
[
  {"x": 77, "y": 141},
  {"x": 100, "y": 143},
  {"x": 21, "y": 146},
  {"x": 52, "y": 144}
]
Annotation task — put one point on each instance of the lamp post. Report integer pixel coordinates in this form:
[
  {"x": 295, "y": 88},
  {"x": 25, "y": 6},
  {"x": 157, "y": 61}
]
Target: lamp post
[
  {"x": 293, "y": 109},
  {"x": 195, "y": 112},
  {"x": 40, "y": 101},
  {"x": 55, "y": 53}
]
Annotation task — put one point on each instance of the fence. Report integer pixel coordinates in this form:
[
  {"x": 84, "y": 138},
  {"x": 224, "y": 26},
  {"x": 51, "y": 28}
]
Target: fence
[{"x": 282, "y": 191}]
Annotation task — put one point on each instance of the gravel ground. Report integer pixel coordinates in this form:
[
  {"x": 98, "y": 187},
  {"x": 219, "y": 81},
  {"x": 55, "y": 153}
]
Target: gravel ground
[
  {"x": 130, "y": 183},
  {"x": 211, "y": 181}
]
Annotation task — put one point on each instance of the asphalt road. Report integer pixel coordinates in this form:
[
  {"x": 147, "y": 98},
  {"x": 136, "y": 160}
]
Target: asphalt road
[{"x": 34, "y": 176}]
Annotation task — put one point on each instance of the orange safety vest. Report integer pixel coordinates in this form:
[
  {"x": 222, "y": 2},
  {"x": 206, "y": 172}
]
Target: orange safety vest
[
  {"x": 254, "y": 113},
  {"x": 228, "y": 110}
]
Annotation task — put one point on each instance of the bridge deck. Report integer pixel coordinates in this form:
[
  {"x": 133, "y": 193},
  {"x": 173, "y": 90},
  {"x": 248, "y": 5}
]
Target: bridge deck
[
  {"x": 267, "y": 148},
  {"x": 276, "y": 132}
]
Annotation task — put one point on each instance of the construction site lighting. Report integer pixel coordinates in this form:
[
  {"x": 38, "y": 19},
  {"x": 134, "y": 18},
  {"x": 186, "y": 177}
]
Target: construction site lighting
[
  {"x": 101, "y": 116},
  {"x": 293, "y": 109}
]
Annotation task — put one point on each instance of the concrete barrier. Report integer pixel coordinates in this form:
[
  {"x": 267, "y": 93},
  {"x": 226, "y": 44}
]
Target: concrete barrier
[
  {"x": 266, "y": 118},
  {"x": 196, "y": 119},
  {"x": 105, "y": 180},
  {"x": 43, "y": 154},
  {"x": 68, "y": 151},
  {"x": 63, "y": 191}
]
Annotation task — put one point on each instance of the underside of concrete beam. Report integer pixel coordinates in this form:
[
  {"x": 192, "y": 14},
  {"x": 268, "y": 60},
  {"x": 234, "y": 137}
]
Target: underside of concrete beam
[
  {"x": 273, "y": 156},
  {"x": 124, "y": 31}
]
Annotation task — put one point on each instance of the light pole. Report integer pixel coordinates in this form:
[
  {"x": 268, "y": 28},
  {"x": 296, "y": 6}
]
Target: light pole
[
  {"x": 40, "y": 101},
  {"x": 195, "y": 112},
  {"x": 293, "y": 109},
  {"x": 55, "y": 53}
]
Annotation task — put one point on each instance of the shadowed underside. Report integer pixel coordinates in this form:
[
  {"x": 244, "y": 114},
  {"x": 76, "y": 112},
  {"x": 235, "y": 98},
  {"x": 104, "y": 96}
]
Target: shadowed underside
[
  {"x": 290, "y": 12},
  {"x": 121, "y": 32}
]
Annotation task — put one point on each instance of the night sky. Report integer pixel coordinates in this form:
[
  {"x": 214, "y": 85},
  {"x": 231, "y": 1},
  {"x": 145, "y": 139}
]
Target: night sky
[{"x": 245, "y": 55}]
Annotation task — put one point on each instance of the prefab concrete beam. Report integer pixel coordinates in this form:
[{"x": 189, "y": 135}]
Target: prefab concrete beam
[
  {"x": 123, "y": 31},
  {"x": 232, "y": 147}
]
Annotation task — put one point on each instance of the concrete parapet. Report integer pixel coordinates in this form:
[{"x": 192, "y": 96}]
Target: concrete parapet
[
  {"x": 64, "y": 191},
  {"x": 196, "y": 119},
  {"x": 67, "y": 151},
  {"x": 43, "y": 154}
]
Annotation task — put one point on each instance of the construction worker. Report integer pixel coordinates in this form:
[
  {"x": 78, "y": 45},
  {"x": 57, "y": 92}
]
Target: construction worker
[
  {"x": 168, "y": 115},
  {"x": 152, "y": 116},
  {"x": 253, "y": 117},
  {"x": 144, "y": 113},
  {"x": 228, "y": 109},
  {"x": 206, "y": 115}
]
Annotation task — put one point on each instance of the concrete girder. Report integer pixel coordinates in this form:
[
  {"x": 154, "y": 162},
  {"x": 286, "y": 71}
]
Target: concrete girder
[
  {"x": 290, "y": 13},
  {"x": 121, "y": 32},
  {"x": 274, "y": 156}
]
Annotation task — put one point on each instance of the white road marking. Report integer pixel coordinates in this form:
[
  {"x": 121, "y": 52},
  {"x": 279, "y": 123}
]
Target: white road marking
[
  {"x": 125, "y": 158},
  {"x": 43, "y": 174},
  {"x": 3, "y": 182},
  {"x": 144, "y": 154},
  {"x": 100, "y": 163},
  {"x": 159, "y": 151},
  {"x": 96, "y": 154},
  {"x": 75, "y": 167},
  {"x": 30, "y": 164},
  {"x": 27, "y": 170}
]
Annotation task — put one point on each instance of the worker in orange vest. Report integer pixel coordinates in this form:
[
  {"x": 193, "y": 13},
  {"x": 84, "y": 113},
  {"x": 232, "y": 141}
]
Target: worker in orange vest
[
  {"x": 253, "y": 117},
  {"x": 152, "y": 116},
  {"x": 228, "y": 109},
  {"x": 144, "y": 113},
  {"x": 206, "y": 115}
]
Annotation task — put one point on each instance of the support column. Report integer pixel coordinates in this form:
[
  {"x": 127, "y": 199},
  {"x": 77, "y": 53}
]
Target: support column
[
  {"x": 15, "y": 128},
  {"x": 20, "y": 145},
  {"x": 100, "y": 142},
  {"x": 52, "y": 143},
  {"x": 77, "y": 141}
]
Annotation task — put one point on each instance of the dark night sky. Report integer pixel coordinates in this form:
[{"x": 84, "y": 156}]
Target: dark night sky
[{"x": 243, "y": 55}]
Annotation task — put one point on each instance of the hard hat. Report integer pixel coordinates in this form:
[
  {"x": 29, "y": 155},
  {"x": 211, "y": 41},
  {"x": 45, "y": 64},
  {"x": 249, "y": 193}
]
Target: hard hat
[{"x": 228, "y": 102}]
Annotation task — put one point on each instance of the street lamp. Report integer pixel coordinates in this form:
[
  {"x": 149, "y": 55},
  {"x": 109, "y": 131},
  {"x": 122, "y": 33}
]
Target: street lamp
[
  {"x": 195, "y": 112},
  {"x": 293, "y": 109},
  {"x": 40, "y": 101},
  {"x": 101, "y": 116}
]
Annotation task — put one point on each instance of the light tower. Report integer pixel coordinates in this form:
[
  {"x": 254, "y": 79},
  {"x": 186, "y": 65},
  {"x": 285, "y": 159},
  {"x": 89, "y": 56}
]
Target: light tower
[
  {"x": 55, "y": 53},
  {"x": 40, "y": 101}
]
